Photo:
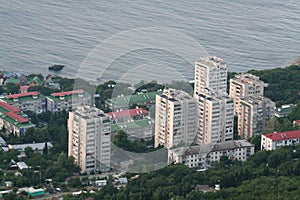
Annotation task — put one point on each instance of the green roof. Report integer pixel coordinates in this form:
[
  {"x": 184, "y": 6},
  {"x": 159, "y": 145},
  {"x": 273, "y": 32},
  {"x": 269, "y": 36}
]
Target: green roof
[
  {"x": 134, "y": 124},
  {"x": 67, "y": 97},
  {"x": 134, "y": 99},
  {"x": 14, "y": 122},
  {"x": 13, "y": 80},
  {"x": 28, "y": 98},
  {"x": 37, "y": 80}
]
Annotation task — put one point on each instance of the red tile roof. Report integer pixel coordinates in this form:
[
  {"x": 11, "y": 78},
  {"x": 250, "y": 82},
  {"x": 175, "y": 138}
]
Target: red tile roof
[
  {"x": 289, "y": 135},
  {"x": 15, "y": 96},
  {"x": 127, "y": 113},
  {"x": 60, "y": 94},
  {"x": 9, "y": 107},
  {"x": 17, "y": 117}
]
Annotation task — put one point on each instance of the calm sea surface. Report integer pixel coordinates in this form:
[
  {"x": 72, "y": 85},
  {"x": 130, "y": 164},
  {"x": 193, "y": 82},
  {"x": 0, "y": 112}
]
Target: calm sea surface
[{"x": 247, "y": 34}]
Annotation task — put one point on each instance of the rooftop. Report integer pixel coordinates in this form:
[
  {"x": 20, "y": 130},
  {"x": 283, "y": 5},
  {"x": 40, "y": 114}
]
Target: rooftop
[
  {"x": 15, "y": 96},
  {"x": 207, "y": 148},
  {"x": 134, "y": 99},
  {"x": 127, "y": 113},
  {"x": 37, "y": 80},
  {"x": 17, "y": 117},
  {"x": 288, "y": 135},
  {"x": 8, "y": 107},
  {"x": 211, "y": 61},
  {"x": 131, "y": 125},
  {"x": 61, "y": 94},
  {"x": 246, "y": 78},
  {"x": 34, "y": 146}
]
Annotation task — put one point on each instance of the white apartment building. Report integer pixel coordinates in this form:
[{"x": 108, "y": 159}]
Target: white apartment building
[
  {"x": 29, "y": 101},
  {"x": 203, "y": 155},
  {"x": 68, "y": 100},
  {"x": 89, "y": 139},
  {"x": 245, "y": 85},
  {"x": 276, "y": 140},
  {"x": 175, "y": 118},
  {"x": 215, "y": 115},
  {"x": 253, "y": 114},
  {"x": 210, "y": 72}
]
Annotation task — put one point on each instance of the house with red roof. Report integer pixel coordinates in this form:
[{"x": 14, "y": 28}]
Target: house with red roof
[
  {"x": 128, "y": 115},
  {"x": 276, "y": 140},
  {"x": 28, "y": 101},
  {"x": 68, "y": 100},
  {"x": 296, "y": 123},
  {"x": 12, "y": 120}
]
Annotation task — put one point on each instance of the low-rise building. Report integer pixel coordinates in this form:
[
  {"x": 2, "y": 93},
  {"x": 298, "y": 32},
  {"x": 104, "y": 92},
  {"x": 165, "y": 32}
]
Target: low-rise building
[
  {"x": 203, "y": 155},
  {"x": 68, "y": 100},
  {"x": 284, "y": 110},
  {"x": 12, "y": 121},
  {"x": 128, "y": 115},
  {"x": 136, "y": 129},
  {"x": 36, "y": 147},
  {"x": 125, "y": 102},
  {"x": 29, "y": 101},
  {"x": 276, "y": 140}
]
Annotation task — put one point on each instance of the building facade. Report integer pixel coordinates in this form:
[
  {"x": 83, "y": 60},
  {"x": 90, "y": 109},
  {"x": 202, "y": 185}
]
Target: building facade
[
  {"x": 12, "y": 121},
  {"x": 175, "y": 118},
  {"x": 210, "y": 72},
  {"x": 68, "y": 100},
  {"x": 253, "y": 114},
  {"x": 136, "y": 130},
  {"x": 215, "y": 115},
  {"x": 203, "y": 155},
  {"x": 245, "y": 85},
  {"x": 29, "y": 101},
  {"x": 89, "y": 139},
  {"x": 276, "y": 140}
]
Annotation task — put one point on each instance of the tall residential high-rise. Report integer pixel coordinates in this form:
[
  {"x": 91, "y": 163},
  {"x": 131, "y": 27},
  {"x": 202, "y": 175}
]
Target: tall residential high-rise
[
  {"x": 245, "y": 85},
  {"x": 215, "y": 117},
  {"x": 210, "y": 72},
  {"x": 175, "y": 118},
  {"x": 89, "y": 138},
  {"x": 253, "y": 114}
]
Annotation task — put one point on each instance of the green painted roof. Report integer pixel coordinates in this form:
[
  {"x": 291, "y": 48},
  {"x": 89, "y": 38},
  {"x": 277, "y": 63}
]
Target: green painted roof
[
  {"x": 13, "y": 80},
  {"x": 67, "y": 97},
  {"x": 20, "y": 99},
  {"x": 134, "y": 99},
  {"x": 37, "y": 80},
  {"x": 134, "y": 124},
  {"x": 14, "y": 122}
]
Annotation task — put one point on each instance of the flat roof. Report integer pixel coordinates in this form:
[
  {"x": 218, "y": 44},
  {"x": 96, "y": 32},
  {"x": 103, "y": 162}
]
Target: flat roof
[
  {"x": 127, "y": 113},
  {"x": 135, "y": 98},
  {"x": 15, "y": 96},
  {"x": 34, "y": 146},
  {"x": 288, "y": 135},
  {"x": 61, "y": 94}
]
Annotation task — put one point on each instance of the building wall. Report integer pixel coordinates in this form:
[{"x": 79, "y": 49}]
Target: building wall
[
  {"x": 269, "y": 144},
  {"x": 245, "y": 85},
  {"x": 37, "y": 105},
  {"x": 89, "y": 139},
  {"x": 215, "y": 118},
  {"x": 253, "y": 114},
  {"x": 210, "y": 72},
  {"x": 63, "y": 103},
  {"x": 203, "y": 160},
  {"x": 175, "y": 119}
]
